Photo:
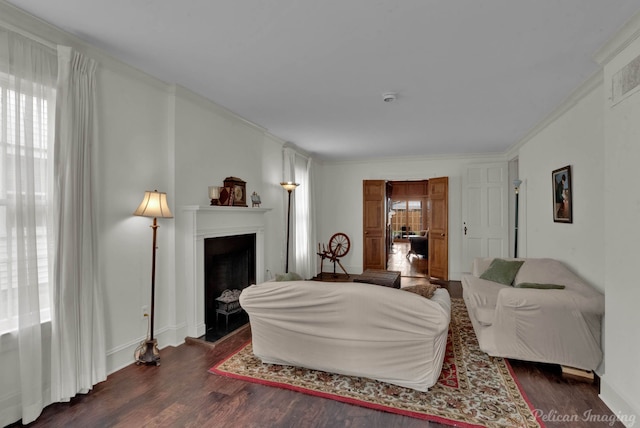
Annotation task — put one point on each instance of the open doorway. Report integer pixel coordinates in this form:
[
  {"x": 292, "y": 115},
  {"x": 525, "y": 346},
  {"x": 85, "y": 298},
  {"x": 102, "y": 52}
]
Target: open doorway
[
  {"x": 407, "y": 219},
  {"x": 380, "y": 251},
  {"x": 409, "y": 230}
]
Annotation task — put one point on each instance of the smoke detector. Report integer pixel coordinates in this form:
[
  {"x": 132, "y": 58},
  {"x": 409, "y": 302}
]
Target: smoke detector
[{"x": 389, "y": 97}]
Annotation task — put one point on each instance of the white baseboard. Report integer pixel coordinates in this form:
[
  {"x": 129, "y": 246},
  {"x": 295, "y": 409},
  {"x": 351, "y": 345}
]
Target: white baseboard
[
  {"x": 122, "y": 356},
  {"x": 623, "y": 410}
]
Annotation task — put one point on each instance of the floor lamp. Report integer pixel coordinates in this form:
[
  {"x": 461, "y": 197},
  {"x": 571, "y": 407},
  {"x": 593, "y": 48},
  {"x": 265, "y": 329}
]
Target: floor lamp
[
  {"x": 516, "y": 184},
  {"x": 154, "y": 204},
  {"x": 289, "y": 186}
]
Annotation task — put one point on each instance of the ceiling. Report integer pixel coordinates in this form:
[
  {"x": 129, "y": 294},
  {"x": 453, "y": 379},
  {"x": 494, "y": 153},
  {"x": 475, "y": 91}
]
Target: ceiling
[{"x": 470, "y": 76}]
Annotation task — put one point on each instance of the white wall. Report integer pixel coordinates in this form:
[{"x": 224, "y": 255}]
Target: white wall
[
  {"x": 601, "y": 143},
  {"x": 273, "y": 196},
  {"x": 577, "y": 139},
  {"x": 620, "y": 387},
  {"x": 158, "y": 136},
  {"x": 340, "y": 200},
  {"x": 133, "y": 156},
  {"x": 210, "y": 144}
]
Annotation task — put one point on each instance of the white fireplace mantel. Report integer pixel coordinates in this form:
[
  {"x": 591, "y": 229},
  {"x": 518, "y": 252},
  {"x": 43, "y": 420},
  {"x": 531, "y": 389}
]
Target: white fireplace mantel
[{"x": 198, "y": 223}]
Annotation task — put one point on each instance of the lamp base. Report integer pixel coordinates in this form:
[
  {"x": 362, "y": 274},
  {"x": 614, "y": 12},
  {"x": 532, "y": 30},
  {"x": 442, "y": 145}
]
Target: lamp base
[{"x": 149, "y": 354}]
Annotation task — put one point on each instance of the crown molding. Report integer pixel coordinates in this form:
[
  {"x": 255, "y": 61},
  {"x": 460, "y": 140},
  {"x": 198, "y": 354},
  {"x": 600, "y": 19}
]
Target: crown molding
[
  {"x": 298, "y": 150},
  {"x": 492, "y": 156},
  {"x": 18, "y": 20},
  {"x": 623, "y": 38},
  {"x": 15, "y": 19},
  {"x": 9, "y": 26},
  {"x": 207, "y": 104},
  {"x": 274, "y": 138},
  {"x": 591, "y": 84}
]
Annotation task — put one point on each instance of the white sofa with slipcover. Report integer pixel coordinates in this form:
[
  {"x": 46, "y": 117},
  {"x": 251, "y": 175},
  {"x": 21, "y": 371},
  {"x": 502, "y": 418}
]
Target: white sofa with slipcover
[
  {"x": 559, "y": 326},
  {"x": 355, "y": 329}
]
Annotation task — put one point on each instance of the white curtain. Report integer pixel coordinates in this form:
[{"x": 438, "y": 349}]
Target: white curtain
[
  {"x": 303, "y": 257},
  {"x": 27, "y": 82},
  {"x": 78, "y": 332}
]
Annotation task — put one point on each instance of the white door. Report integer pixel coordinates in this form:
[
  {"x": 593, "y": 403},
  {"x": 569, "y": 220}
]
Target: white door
[{"x": 484, "y": 212}]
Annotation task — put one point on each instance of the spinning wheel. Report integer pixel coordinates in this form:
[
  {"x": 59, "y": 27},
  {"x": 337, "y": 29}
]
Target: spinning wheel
[{"x": 338, "y": 246}]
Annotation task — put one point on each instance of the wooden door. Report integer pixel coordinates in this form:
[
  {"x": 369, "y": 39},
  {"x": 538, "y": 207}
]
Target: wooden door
[
  {"x": 374, "y": 218},
  {"x": 438, "y": 213}
]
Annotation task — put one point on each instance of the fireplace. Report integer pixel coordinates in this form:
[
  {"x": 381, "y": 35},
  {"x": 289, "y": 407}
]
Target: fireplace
[
  {"x": 229, "y": 264},
  {"x": 198, "y": 224}
]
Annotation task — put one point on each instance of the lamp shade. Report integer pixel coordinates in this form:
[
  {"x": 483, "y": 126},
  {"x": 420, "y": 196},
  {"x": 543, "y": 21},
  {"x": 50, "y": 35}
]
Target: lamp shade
[
  {"x": 289, "y": 185},
  {"x": 154, "y": 204}
]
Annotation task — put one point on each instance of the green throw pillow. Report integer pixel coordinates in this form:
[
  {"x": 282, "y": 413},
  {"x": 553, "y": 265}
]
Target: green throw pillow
[
  {"x": 502, "y": 271},
  {"x": 540, "y": 286},
  {"x": 291, "y": 276}
]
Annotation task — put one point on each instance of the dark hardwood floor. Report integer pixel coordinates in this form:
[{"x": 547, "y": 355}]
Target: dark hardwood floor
[
  {"x": 413, "y": 266},
  {"x": 181, "y": 393}
]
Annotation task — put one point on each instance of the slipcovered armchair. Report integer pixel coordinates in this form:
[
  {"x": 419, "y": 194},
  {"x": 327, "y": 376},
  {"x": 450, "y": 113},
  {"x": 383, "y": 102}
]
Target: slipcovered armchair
[{"x": 547, "y": 314}]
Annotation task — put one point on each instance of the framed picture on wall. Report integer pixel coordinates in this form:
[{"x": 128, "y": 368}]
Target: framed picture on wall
[{"x": 562, "y": 195}]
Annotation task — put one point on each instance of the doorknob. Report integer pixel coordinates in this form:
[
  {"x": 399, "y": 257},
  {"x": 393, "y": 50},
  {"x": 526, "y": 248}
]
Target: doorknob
[{"x": 442, "y": 234}]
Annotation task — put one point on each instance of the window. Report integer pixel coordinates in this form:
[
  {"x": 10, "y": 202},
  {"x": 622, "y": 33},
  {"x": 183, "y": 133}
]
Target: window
[
  {"x": 24, "y": 187},
  {"x": 407, "y": 218}
]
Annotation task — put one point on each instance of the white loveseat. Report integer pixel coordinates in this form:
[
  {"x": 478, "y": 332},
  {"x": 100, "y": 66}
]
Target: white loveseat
[
  {"x": 355, "y": 329},
  {"x": 559, "y": 326}
]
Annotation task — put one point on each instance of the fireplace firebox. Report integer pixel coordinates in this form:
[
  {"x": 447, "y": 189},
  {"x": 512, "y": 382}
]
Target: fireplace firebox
[{"x": 229, "y": 264}]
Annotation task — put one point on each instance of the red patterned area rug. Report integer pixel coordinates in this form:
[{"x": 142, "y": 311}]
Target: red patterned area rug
[{"x": 474, "y": 390}]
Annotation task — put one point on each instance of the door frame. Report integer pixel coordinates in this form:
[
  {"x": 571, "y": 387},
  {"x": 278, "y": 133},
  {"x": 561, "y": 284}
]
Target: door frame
[
  {"x": 386, "y": 229},
  {"x": 485, "y": 222}
]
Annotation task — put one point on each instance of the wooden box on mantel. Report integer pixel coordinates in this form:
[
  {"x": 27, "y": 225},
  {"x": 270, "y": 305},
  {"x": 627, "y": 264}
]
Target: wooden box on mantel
[{"x": 239, "y": 187}]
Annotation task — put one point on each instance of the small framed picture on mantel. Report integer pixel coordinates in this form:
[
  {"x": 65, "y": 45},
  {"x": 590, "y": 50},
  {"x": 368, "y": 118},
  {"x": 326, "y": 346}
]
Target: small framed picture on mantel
[{"x": 562, "y": 195}]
